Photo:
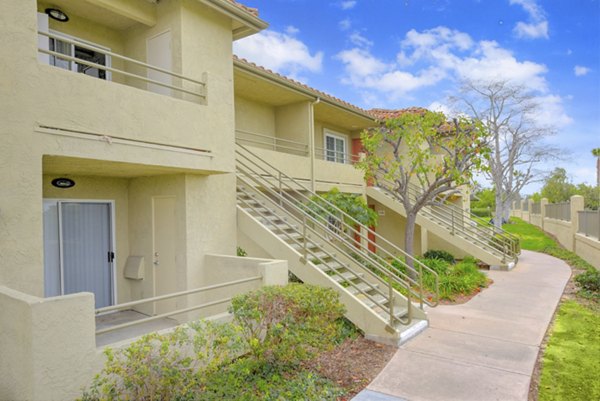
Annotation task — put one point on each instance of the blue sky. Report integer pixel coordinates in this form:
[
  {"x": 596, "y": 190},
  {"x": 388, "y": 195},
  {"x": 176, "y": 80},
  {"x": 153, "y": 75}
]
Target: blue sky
[{"x": 403, "y": 53}]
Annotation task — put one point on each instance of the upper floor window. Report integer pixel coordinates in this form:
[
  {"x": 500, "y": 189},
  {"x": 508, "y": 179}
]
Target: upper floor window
[{"x": 335, "y": 147}]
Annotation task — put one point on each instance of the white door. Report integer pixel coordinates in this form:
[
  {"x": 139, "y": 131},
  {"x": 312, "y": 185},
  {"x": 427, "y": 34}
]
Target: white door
[
  {"x": 164, "y": 247},
  {"x": 78, "y": 249},
  {"x": 158, "y": 49}
]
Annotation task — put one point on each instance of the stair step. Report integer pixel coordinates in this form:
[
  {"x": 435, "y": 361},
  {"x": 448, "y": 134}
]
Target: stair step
[
  {"x": 364, "y": 286},
  {"x": 309, "y": 245},
  {"x": 377, "y": 297},
  {"x": 320, "y": 255},
  {"x": 334, "y": 265},
  {"x": 346, "y": 276},
  {"x": 271, "y": 218},
  {"x": 291, "y": 236}
]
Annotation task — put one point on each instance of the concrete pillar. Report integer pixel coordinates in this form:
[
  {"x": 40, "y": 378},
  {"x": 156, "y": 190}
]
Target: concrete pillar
[
  {"x": 543, "y": 204},
  {"x": 424, "y": 240},
  {"x": 577, "y": 204}
]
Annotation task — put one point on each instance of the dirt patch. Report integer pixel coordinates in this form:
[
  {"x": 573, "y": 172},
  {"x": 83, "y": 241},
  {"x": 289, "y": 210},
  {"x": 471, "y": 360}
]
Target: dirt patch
[{"x": 353, "y": 364}]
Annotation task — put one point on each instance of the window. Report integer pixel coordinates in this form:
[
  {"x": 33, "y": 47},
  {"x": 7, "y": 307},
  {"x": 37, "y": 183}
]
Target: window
[
  {"x": 79, "y": 52},
  {"x": 335, "y": 147}
]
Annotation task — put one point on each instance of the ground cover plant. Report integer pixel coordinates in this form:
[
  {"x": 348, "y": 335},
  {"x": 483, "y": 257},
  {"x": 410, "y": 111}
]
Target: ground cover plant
[
  {"x": 569, "y": 363},
  {"x": 457, "y": 279},
  {"x": 274, "y": 349}
]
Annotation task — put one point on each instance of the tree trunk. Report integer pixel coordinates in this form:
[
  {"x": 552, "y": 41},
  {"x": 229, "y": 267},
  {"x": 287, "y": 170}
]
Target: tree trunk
[
  {"x": 499, "y": 212},
  {"x": 506, "y": 210},
  {"x": 409, "y": 239}
]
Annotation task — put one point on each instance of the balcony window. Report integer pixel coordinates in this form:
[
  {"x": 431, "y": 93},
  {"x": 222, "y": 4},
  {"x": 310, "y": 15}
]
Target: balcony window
[
  {"x": 335, "y": 147},
  {"x": 91, "y": 56}
]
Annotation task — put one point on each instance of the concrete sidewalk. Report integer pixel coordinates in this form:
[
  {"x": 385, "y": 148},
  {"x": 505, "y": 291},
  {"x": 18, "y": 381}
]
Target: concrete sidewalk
[{"x": 482, "y": 350}]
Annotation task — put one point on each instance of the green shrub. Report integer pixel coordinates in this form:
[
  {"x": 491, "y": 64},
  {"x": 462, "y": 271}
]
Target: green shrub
[
  {"x": 250, "y": 380},
  {"x": 589, "y": 282},
  {"x": 284, "y": 325},
  {"x": 462, "y": 278},
  {"x": 481, "y": 212},
  {"x": 440, "y": 266},
  {"x": 439, "y": 254},
  {"x": 166, "y": 367},
  {"x": 241, "y": 252}
]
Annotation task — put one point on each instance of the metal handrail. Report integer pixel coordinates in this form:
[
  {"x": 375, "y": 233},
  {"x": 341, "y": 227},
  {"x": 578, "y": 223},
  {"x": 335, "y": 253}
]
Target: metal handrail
[
  {"x": 308, "y": 250},
  {"x": 291, "y": 146},
  {"x": 65, "y": 39},
  {"x": 348, "y": 158},
  {"x": 471, "y": 229},
  {"x": 284, "y": 180},
  {"x": 128, "y": 305}
]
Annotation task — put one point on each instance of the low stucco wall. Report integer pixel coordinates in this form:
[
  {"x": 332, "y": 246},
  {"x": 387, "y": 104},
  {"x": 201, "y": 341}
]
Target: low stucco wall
[
  {"x": 535, "y": 219},
  {"x": 589, "y": 249},
  {"x": 561, "y": 230},
  {"x": 48, "y": 349}
]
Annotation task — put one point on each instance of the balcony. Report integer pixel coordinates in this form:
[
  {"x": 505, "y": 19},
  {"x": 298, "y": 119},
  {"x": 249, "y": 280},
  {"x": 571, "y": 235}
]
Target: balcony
[{"x": 76, "y": 55}]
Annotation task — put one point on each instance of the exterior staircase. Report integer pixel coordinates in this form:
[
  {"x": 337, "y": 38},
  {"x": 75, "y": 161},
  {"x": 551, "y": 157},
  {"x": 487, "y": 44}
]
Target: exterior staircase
[
  {"x": 480, "y": 239},
  {"x": 326, "y": 247}
]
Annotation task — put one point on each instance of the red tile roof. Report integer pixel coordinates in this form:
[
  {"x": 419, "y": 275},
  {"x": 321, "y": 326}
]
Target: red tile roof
[
  {"x": 250, "y": 10},
  {"x": 316, "y": 92},
  {"x": 382, "y": 114}
]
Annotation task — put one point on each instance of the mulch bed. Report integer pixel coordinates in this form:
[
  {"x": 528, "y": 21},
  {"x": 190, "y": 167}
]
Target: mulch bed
[{"x": 352, "y": 364}]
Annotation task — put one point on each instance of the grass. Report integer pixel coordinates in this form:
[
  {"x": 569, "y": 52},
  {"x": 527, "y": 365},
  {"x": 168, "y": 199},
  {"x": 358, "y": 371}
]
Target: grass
[
  {"x": 570, "y": 367},
  {"x": 532, "y": 237},
  {"x": 572, "y": 358}
]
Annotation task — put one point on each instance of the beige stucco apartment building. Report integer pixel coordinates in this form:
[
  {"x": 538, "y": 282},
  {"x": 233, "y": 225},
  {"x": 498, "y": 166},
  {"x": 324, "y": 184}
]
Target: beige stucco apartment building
[{"x": 121, "y": 181}]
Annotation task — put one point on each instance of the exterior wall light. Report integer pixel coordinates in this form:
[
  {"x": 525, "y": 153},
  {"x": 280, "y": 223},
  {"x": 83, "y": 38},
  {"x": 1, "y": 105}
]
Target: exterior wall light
[
  {"x": 63, "y": 183},
  {"x": 57, "y": 14}
]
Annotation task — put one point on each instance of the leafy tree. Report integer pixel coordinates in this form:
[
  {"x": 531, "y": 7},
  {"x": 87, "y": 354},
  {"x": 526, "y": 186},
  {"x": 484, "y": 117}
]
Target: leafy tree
[
  {"x": 421, "y": 157},
  {"x": 591, "y": 195},
  {"x": 557, "y": 187},
  {"x": 516, "y": 137},
  {"x": 484, "y": 198},
  {"x": 351, "y": 204},
  {"x": 596, "y": 153}
]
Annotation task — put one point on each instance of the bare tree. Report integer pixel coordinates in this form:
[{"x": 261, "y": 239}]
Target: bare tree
[{"x": 516, "y": 137}]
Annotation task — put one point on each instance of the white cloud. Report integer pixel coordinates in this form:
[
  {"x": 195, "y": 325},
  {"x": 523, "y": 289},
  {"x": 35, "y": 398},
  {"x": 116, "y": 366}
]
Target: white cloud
[
  {"x": 345, "y": 24},
  {"x": 348, "y": 4},
  {"x": 357, "y": 39},
  {"x": 425, "y": 58},
  {"x": 551, "y": 112},
  {"x": 292, "y": 30},
  {"x": 441, "y": 107},
  {"x": 581, "y": 70},
  {"x": 280, "y": 52},
  {"x": 537, "y": 26}
]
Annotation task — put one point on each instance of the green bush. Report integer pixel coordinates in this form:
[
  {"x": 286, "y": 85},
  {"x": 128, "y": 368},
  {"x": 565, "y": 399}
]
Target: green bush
[
  {"x": 241, "y": 252},
  {"x": 481, "y": 212},
  {"x": 589, "y": 282},
  {"x": 439, "y": 254},
  {"x": 284, "y": 325},
  {"x": 166, "y": 367},
  {"x": 250, "y": 380},
  {"x": 462, "y": 278}
]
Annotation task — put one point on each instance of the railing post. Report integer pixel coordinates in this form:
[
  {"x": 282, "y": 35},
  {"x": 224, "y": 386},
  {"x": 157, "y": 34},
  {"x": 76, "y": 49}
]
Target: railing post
[
  {"x": 452, "y": 212},
  {"x": 305, "y": 245},
  {"x": 280, "y": 190},
  {"x": 421, "y": 286},
  {"x": 391, "y": 298}
]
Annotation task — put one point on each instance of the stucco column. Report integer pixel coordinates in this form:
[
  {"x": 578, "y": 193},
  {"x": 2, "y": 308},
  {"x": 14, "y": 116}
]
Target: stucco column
[
  {"x": 577, "y": 205},
  {"x": 543, "y": 204},
  {"x": 522, "y": 205}
]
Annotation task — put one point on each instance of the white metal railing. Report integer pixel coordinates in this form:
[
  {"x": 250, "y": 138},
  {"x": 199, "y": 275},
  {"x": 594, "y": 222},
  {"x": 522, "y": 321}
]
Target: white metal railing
[
  {"x": 559, "y": 211},
  {"x": 199, "y": 87},
  {"x": 589, "y": 223},
  {"x": 129, "y": 305},
  {"x": 336, "y": 156},
  {"x": 272, "y": 142}
]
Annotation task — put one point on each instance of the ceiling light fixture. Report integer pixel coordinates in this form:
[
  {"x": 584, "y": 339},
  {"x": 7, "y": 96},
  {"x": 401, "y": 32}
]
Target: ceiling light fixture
[{"x": 57, "y": 14}]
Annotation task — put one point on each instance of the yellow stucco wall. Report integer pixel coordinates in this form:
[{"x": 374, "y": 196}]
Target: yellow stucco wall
[{"x": 254, "y": 117}]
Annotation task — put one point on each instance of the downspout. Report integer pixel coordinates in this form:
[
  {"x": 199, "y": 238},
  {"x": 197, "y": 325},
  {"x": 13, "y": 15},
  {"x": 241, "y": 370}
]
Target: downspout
[{"x": 311, "y": 143}]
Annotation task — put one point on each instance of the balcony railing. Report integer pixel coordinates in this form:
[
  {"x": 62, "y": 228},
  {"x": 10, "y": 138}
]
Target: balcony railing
[
  {"x": 589, "y": 223},
  {"x": 179, "y": 83},
  {"x": 336, "y": 156},
  {"x": 559, "y": 211},
  {"x": 271, "y": 142}
]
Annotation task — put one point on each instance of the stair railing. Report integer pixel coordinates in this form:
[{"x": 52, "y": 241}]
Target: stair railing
[
  {"x": 308, "y": 253},
  {"x": 300, "y": 196},
  {"x": 463, "y": 224}
]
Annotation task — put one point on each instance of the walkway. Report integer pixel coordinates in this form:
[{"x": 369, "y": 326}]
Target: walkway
[{"x": 482, "y": 350}]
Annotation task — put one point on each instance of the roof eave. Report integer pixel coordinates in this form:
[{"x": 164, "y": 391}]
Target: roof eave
[
  {"x": 251, "y": 24},
  {"x": 297, "y": 88}
]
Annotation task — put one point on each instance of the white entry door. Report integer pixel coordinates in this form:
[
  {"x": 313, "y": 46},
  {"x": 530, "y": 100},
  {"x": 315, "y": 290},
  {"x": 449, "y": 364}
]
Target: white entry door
[{"x": 78, "y": 251}]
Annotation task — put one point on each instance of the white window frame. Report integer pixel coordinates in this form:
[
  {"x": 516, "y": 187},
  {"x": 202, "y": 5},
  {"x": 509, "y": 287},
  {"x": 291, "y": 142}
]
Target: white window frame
[
  {"x": 83, "y": 42},
  {"x": 336, "y": 158}
]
